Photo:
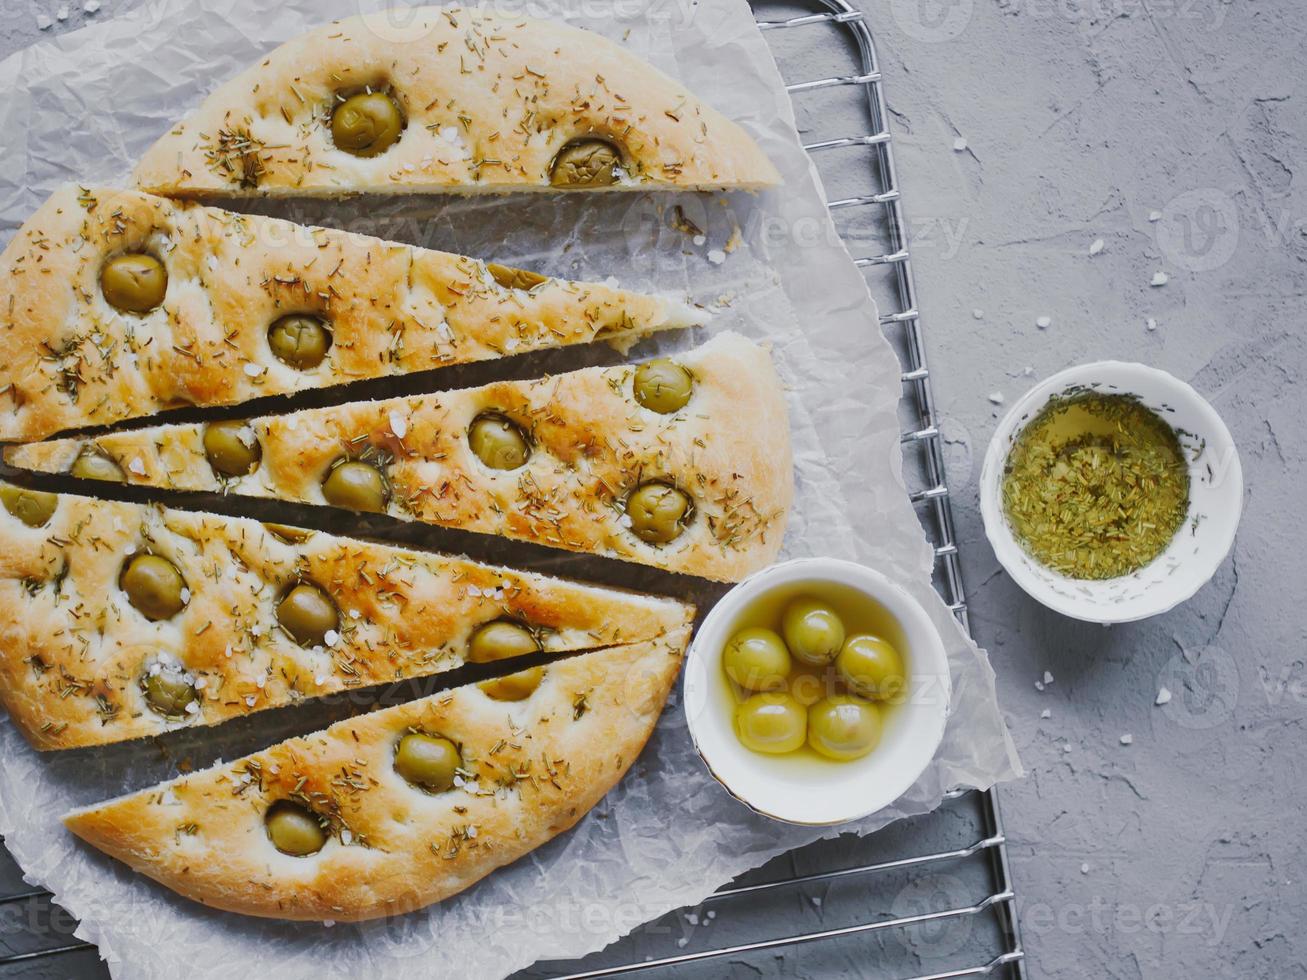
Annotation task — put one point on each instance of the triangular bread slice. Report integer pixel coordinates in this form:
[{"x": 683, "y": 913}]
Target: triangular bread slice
[
  {"x": 77, "y": 654},
  {"x": 486, "y": 103},
  {"x": 529, "y": 771},
  {"x": 69, "y": 358},
  {"x": 592, "y": 443}
]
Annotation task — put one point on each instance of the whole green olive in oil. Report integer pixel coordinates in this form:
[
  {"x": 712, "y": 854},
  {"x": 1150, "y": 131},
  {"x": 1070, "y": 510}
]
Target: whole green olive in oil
[
  {"x": 154, "y": 586},
  {"x": 663, "y": 386},
  {"x": 300, "y": 340},
  {"x": 367, "y": 124},
  {"x": 813, "y": 630},
  {"x": 589, "y": 162},
  {"x": 232, "y": 448},
  {"x": 428, "y": 761},
  {"x": 756, "y": 659},
  {"x": 871, "y": 666},
  {"x": 498, "y": 442},
  {"x": 773, "y": 723},
  {"x": 658, "y": 512},
  {"x": 843, "y": 727},
  {"x": 91, "y": 464},
  {"x": 133, "y": 283},
  {"x": 33, "y": 507},
  {"x": 294, "y": 829},
  {"x": 356, "y": 485},
  {"x": 307, "y": 614}
]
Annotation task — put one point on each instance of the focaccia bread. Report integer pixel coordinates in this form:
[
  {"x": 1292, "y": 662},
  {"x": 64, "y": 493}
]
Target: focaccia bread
[
  {"x": 120, "y": 620},
  {"x": 116, "y": 305},
  {"x": 575, "y": 461},
  {"x": 330, "y": 826},
  {"x": 451, "y": 100}
]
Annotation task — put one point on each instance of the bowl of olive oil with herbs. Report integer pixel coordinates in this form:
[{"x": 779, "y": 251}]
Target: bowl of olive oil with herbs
[{"x": 1111, "y": 492}]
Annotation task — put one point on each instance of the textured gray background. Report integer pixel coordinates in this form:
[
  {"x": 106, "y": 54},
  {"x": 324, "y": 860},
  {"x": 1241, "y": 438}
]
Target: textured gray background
[{"x": 1170, "y": 130}]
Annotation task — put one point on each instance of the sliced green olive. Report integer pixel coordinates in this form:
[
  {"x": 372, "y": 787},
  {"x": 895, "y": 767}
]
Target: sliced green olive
[
  {"x": 300, "y": 340},
  {"x": 812, "y": 630},
  {"x": 91, "y": 464},
  {"x": 843, "y": 727},
  {"x": 511, "y": 278},
  {"x": 294, "y": 829},
  {"x": 291, "y": 535},
  {"x": 514, "y": 687},
  {"x": 498, "y": 442},
  {"x": 658, "y": 512},
  {"x": 32, "y": 507},
  {"x": 367, "y": 124},
  {"x": 356, "y": 485},
  {"x": 168, "y": 690},
  {"x": 154, "y": 586},
  {"x": 871, "y": 666},
  {"x": 307, "y": 614},
  {"x": 773, "y": 723},
  {"x": 232, "y": 447},
  {"x": 756, "y": 659},
  {"x": 589, "y": 162},
  {"x": 428, "y": 761},
  {"x": 663, "y": 386},
  {"x": 499, "y": 640},
  {"x": 134, "y": 283}
]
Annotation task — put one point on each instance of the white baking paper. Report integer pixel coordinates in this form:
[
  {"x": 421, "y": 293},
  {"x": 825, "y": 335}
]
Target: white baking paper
[{"x": 82, "y": 106}]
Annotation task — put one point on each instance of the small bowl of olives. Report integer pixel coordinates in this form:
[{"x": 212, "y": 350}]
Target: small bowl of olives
[{"x": 817, "y": 691}]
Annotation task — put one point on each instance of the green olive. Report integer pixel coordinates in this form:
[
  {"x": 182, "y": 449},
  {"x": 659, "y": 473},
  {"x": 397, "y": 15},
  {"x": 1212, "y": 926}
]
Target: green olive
[
  {"x": 154, "y": 586},
  {"x": 499, "y": 640},
  {"x": 588, "y": 162},
  {"x": 168, "y": 690},
  {"x": 32, "y": 507},
  {"x": 773, "y": 723},
  {"x": 756, "y": 659},
  {"x": 232, "y": 447},
  {"x": 498, "y": 442},
  {"x": 91, "y": 464},
  {"x": 663, "y": 386},
  {"x": 307, "y": 614},
  {"x": 428, "y": 761},
  {"x": 291, "y": 535},
  {"x": 658, "y": 512},
  {"x": 134, "y": 283},
  {"x": 367, "y": 123},
  {"x": 511, "y": 278},
  {"x": 514, "y": 687},
  {"x": 812, "y": 630},
  {"x": 294, "y": 829},
  {"x": 872, "y": 667},
  {"x": 300, "y": 340},
  {"x": 843, "y": 727},
  {"x": 356, "y": 485}
]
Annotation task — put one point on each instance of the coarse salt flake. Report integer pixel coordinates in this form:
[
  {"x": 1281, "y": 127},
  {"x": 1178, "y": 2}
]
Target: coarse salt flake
[
  {"x": 960, "y": 144},
  {"x": 398, "y": 425},
  {"x": 996, "y": 397},
  {"x": 1127, "y": 739},
  {"x": 137, "y": 466},
  {"x": 91, "y": 6},
  {"x": 331, "y": 638},
  {"x": 1163, "y": 696},
  {"x": 1097, "y": 246},
  {"x": 1043, "y": 322},
  {"x": 716, "y": 256},
  {"x": 253, "y": 370},
  {"x": 1159, "y": 279}
]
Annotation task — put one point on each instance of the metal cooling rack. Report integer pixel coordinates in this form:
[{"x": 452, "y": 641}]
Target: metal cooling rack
[{"x": 933, "y": 893}]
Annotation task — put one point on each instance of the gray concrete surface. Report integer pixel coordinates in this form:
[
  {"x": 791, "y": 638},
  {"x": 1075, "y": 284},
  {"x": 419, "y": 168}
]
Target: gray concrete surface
[{"x": 1169, "y": 130}]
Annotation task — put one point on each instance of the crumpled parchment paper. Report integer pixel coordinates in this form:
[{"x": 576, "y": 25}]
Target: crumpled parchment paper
[{"x": 83, "y": 106}]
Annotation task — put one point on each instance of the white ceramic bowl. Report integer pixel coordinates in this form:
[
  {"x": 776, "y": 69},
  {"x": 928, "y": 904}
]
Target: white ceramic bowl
[
  {"x": 804, "y": 789},
  {"x": 1199, "y": 547}
]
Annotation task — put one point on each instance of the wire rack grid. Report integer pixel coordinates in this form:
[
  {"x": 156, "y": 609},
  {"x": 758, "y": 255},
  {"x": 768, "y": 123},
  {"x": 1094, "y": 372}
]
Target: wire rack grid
[{"x": 963, "y": 922}]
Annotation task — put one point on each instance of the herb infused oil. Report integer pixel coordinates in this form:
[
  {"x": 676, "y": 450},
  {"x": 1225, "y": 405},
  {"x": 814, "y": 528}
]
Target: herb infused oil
[{"x": 1096, "y": 486}]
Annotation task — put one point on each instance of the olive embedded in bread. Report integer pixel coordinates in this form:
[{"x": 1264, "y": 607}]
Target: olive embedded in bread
[
  {"x": 658, "y": 512},
  {"x": 232, "y": 448},
  {"x": 134, "y": 283},
  {"x": 589, "y": 162},
  {"x": 813, "y": 630},
  {"x": 871, "y": 666},
  {"x": 307, "y": 614},
  {"x": 32, "y": 507},
  {"x": 154, "y": 586},
  {"x": 663, "y": 386},
  {"x": 773, "y": 723},
  {"x": 511, "y": 278},
  {"x": 356, "y": 485},
  {"x": 294, "y": 829},
  {"x": 367, "y": 123},
  {"x": 300, "y": 340},
  {"x": 91, "y": 464},
  {"x": 514, "y": 687},
  {"x": 843, "y": 727},
  {"x": 499, "y": 640},
  {"x": 428, "y": 761},
  {"x": 168, "y": 690},
  {"x": 498, "y": 442},
  {"x": 756, "y": 659}
]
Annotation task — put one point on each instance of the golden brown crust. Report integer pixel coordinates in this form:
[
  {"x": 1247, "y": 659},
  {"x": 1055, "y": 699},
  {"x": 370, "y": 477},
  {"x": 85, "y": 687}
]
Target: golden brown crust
[
  {"x": 489, "y": 102},
  {"x": 73, "y": 649},
  {"x": 592, "y": 443},
  {"x": 69, "y": 360},
  {"x": 538, "y": 765}
]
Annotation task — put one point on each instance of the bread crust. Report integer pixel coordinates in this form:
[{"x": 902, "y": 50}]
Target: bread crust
[
  {"x": 74, "y": 650},
  {"x": 592, "y": 443},
  {"x": 488, "y": 101},
  {"x": 538, "y": 766},
  {"x": 70, "y": 360}
]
